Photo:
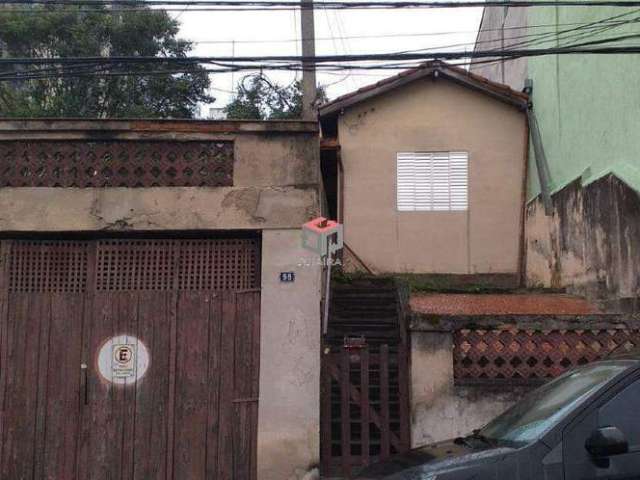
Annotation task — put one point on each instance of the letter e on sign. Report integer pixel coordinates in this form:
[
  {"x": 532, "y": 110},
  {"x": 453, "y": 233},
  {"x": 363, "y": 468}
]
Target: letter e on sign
[{"x": 123, "y": 360}]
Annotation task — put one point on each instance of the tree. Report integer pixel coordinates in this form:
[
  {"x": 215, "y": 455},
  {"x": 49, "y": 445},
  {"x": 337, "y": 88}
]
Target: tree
[
  {"x": 258, "y": 98},
  {"x": 64, "y": 31}
]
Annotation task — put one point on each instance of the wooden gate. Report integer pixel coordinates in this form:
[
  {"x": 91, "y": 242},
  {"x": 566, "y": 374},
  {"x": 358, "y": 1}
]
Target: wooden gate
[
  {"x": 194, "y": 304},
  {"x": 364, "y": 410}
]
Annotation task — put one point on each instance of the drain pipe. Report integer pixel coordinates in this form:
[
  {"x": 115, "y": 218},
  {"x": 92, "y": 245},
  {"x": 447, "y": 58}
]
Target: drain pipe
[{"x": 542, "y": 166}]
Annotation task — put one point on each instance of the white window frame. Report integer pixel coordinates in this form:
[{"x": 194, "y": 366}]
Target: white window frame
[{"x": 432, "y": 181}]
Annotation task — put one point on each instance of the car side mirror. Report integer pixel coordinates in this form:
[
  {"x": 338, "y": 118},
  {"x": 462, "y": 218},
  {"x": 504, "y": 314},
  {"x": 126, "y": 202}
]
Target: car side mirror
[{"x": 606, "y": 441}]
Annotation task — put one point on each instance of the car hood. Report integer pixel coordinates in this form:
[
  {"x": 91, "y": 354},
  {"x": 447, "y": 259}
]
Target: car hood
[{"x": 438, "y": 458}]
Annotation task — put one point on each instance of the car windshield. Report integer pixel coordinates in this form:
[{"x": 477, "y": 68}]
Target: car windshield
[{"x": 543, "y": 408}]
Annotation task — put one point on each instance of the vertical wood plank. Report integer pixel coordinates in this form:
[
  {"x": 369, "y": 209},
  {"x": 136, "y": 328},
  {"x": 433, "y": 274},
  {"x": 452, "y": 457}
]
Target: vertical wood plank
[
  {"x": 14, "y": 310},
  {"x": 152, "y": 391},
  {"x": 214, "y": 373},
  {"x": 345, "y": 411},
  {"x": 64, "y": 384},
  {"x": 191, "y": 385},
  {"x": 5, "y": 249},
  {"x": 254, "y": 314},
  {"x": 127, "y": 324},
  {"x": 42, "y": 380},
  {"x": 87, "y": 359},
  {"x": 226, "y": 445},
  {"x": 364, "y": 405},
  {"x": 245, "y": 388},
  {"x": 171, "y": 408},
  {"x": 101, "y": 451},
  {"x": 18, "y": 445},
  {"x": 384, "y": 402}
]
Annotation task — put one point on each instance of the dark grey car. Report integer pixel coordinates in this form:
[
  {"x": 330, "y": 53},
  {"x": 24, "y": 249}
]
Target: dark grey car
[{"x": 583, "y": 425}]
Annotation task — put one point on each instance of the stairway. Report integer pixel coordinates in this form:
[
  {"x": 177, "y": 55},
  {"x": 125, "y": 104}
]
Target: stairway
[{"x": 366, "y": 308}]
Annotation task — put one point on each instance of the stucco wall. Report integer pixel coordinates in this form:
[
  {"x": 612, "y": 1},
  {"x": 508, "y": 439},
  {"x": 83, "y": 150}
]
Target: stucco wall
[
  {"x": 439, "y": 410},
  {"x": 587, "y": 111},
  {"x": 275, "y": 185},
  {"x": 429, "y": 116},
  {"x": 587, "y": 105},
  {"x": 289, "y": 423},
  {"x": 506, "y": 28},
  {"x": 590, "y": 243}
]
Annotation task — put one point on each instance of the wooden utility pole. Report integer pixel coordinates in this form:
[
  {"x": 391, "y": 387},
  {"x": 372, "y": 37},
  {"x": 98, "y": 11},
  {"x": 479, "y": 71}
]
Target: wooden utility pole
[{"x": 308, "y": 32}]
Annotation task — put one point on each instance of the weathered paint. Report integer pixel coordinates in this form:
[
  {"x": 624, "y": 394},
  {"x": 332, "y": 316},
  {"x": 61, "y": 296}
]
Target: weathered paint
[
  {"x": 440, "y": 410},
  {"x": 492, "y": 36},
  {"x": 158, "y": 208},
  {"x": 433, "y": 116},
  {"x": 587, "y": 111},
  {"x": 591, "y": 243},
  {"x": 275, "y": 185},
  {"x": 289, "y": 411}
]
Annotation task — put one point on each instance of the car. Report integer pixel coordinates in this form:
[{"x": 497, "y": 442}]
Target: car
[{"x": 582, "y": 425}]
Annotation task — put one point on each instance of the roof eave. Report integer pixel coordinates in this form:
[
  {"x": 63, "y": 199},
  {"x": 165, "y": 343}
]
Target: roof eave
[{"x": 498, "y": 92}]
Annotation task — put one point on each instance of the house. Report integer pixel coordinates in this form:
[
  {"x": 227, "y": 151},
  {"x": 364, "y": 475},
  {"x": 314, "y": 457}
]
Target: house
[
  {"x": 431, "y": 169},
  {"x": 426, "y": 171},
  {"x": 582, "y": 212},
  {"x": 430, "y": 334},
  {"x": 145, "y": 330}
]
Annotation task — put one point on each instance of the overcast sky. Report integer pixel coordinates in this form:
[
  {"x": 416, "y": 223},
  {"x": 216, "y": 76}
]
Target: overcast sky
[{"x": 271, "y": 33}]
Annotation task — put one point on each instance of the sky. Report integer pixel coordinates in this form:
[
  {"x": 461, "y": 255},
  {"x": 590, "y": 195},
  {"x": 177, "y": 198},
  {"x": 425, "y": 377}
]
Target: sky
[{"x": 273, "y": 33}]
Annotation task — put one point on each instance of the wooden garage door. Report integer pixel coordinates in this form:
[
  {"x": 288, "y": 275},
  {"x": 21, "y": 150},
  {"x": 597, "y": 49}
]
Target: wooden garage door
[{"x": 192, "y": 305}]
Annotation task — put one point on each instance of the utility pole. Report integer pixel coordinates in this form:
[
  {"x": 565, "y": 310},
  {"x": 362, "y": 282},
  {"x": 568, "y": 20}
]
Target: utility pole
[
  {"x": 233, "y": 55},
  {"x": 308, "y": 32}
]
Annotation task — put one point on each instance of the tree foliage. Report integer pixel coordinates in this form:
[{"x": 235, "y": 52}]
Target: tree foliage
[
  {"x": 53, "y": 31},
  {"x": 258, "y": 98}
]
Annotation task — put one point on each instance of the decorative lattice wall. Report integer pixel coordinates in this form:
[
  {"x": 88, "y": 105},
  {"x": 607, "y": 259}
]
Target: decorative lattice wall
[
  {"x": 57, "y": 266},
  {"x": 520, "y": 356},
  {"x": 48, "y": 266},
  {"x": 115, "y": 164}
]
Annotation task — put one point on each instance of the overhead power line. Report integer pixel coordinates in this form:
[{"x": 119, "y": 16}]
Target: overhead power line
[
  {"x": 200, "y": 5},
  {"x": 77, "y": 65},
  {"x": 407, "y": 35},
  {"x": 328, "y": 59}
]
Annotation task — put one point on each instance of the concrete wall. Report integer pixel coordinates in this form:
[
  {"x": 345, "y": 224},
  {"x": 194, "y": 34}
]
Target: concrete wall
[
  {"x": 587, "y": 111},
  {"x": 587, "y": 105},
  {"x": 590, "y": 244},
  {"x": 440, "y": 410},
  {"x": 505, "y": 28},
  {"x": 275, "y": 185},
  {"x": 289, "y": 408},
  {"x": 434, "y": 116}
]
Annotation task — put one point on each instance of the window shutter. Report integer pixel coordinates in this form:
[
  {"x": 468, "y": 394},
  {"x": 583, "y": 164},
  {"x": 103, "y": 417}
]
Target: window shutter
[
  {"x": 432, "y": 181},
  {"x": 459, "y": 180},
  {"x": 406, "y": 174}
]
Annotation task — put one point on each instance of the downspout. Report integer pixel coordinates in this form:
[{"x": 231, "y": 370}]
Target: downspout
[{"x": 542, "y": 166}]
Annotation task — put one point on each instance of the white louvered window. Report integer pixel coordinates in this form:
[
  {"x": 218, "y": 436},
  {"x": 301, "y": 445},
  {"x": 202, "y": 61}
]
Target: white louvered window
[{"x": 436, "y": 181}]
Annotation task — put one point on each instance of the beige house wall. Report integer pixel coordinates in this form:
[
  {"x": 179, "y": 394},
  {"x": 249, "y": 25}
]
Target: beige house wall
[{"x": 433, "y": 116}]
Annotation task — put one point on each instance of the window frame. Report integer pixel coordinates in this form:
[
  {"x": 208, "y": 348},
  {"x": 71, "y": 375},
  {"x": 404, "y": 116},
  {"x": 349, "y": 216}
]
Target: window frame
[{"x": 453, "y": 180}]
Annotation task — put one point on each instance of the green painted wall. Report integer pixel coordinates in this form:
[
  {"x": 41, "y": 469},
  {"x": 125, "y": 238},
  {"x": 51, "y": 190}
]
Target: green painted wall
[{"x": 588, "y": 106}]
